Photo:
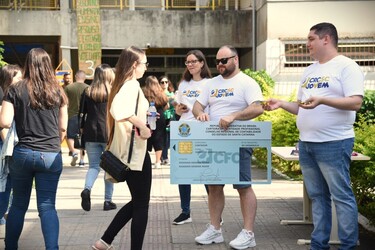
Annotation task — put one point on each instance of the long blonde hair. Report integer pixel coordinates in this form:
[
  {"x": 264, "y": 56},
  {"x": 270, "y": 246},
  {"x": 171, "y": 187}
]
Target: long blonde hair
[
  {"x": 124, "y": 72},
  {"x": 99, "y": 89}
]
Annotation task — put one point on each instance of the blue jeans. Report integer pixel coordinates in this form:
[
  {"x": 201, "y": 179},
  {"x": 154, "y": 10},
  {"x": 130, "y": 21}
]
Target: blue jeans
[
  {"x": 94, "y": 151},
  {"x": 185, "y": 196},
  {"x": 45, "y": 169},
  {"x": 4, "y": 198},
  {"x": 325, "y": 168},
  {"x": 164, "y": 154}
]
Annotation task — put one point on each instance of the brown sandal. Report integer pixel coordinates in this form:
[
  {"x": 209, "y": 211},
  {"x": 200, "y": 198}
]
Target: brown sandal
[{"x": 103, "y": 244}]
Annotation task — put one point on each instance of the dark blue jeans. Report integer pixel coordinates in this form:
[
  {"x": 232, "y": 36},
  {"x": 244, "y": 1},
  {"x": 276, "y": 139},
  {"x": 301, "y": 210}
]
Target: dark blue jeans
[
  {"x": 185, "y": 196},
  {"x": 4, "y": 198},
  {"x": 43, "y": 168},
  {"x": 164, "y": 154}
]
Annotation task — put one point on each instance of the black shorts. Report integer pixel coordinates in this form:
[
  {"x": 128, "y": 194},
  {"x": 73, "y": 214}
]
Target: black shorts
[{"x": 73, "y": 128}]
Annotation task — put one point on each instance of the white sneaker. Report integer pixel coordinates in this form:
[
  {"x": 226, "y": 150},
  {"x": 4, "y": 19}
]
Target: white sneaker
[
  {"x": 157, "y": 165},
  {"x": 211, "y": 235},
  {"x": 74, "y": 159},
  {"x": 244, "y": 240}
]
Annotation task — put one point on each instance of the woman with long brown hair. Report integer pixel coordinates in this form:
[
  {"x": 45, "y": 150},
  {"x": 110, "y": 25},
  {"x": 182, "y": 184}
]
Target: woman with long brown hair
[
  {"x": 154, "y": 93},
  {"x": 193, "y": 79},
  {"x": 38, "y": 106},
  {"x": 125, "y": 96},
  {"x": 10, "y": 73},
  {"x": 93, "y": 118}
]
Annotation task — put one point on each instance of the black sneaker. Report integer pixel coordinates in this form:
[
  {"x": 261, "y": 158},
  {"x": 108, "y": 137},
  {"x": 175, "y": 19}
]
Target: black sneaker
[
  {"x": 109, "y": 205},
  {"x": 86, "y": 201},
  {"x": 182, "y": 219},
  {"x": 81, "y": 164}
]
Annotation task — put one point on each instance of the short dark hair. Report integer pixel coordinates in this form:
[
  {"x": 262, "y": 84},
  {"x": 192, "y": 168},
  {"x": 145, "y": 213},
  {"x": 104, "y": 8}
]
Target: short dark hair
[
  {"x": 322, "y": 29},
  {"x": 231, "y": 48}
]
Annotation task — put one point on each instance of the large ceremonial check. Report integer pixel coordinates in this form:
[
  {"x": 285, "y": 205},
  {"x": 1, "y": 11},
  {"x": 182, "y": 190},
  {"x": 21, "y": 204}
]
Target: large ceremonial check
[{"x": 203, "y": 153}]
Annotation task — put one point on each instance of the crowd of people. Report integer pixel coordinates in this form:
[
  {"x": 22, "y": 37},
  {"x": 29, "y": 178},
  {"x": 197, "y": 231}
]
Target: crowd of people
[{"x": 38, "y": 114}]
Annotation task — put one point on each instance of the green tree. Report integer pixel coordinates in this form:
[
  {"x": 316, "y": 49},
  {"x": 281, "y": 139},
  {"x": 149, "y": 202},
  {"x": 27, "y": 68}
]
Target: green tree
[{"x": 2, "y": 63}]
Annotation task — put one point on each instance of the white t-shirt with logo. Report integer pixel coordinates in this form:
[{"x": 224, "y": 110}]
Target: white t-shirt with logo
[
  {"x": 226, "y": 96},
  {"x": 187, "y": 94},
  {"x": 337, "y": 78}
]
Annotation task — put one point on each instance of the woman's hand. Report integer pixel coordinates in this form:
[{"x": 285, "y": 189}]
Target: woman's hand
[{"x": 144, "y": 132}]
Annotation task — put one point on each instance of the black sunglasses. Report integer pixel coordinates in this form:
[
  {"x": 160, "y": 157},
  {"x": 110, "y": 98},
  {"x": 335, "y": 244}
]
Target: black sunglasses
[{"x": 223, "y": 60}]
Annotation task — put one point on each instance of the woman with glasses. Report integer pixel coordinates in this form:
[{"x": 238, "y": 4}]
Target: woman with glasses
[
  {"x": 126, "y": 94},
  {"x": 193, "y": 79},
  {"x": 169, "y": 115}
]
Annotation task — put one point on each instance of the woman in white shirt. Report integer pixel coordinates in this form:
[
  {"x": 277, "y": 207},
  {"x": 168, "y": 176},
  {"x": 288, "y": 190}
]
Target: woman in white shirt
[
  {"x": 195, "y": 76},
  {"x": 125, "y": 95}
]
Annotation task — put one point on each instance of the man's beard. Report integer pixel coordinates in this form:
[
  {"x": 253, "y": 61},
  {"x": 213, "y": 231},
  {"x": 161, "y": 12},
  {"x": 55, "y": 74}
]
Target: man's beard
[{"x": 228, "y": 71}]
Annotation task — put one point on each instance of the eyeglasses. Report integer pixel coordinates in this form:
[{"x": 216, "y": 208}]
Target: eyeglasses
[
  {"x": 192, "y": 62},
  {"x": 164, "y": 82},
  {"x": 145, "y": 63},
  {"x": 223, "y": 60}
]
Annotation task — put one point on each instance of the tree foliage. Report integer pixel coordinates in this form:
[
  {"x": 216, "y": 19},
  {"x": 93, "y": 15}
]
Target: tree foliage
[{"x": 2, "y": 62}]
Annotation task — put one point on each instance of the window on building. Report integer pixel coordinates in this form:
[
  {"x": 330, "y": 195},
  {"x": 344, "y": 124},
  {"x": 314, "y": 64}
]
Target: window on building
[{"x": 362, "y": 50}]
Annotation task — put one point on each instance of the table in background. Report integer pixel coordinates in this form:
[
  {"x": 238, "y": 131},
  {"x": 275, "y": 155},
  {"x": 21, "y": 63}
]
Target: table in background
[{"x": 285, "y": 153}]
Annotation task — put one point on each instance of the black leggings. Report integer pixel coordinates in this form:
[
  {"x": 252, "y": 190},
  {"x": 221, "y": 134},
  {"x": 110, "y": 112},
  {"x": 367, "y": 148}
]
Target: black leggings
[{"x": 139, "y": 183}]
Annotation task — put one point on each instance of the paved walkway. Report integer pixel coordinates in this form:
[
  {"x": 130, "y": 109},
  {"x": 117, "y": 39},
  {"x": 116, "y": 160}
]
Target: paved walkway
[{"x": 79, "y": 229}]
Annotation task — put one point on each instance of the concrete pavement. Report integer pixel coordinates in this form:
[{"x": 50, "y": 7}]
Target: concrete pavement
[{"x": 79, "y": 229}]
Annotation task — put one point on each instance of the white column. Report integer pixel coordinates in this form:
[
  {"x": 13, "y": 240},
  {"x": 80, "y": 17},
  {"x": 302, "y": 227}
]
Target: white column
[{"x": 131, "y": 5}]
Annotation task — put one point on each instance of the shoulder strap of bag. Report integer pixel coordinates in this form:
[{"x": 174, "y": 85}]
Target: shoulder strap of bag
[{"x": 132, "y": 134}]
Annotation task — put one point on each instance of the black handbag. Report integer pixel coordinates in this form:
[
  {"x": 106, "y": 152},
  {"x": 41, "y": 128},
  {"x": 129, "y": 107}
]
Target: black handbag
[
  {"x": 79, "y": 142},
  {"x": 112, "y": 165}
]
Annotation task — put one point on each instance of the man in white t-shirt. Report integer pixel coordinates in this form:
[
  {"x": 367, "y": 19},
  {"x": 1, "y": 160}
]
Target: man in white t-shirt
[
  {"x": 330, "y": 93},
  {"x": 230, "y": 96}
]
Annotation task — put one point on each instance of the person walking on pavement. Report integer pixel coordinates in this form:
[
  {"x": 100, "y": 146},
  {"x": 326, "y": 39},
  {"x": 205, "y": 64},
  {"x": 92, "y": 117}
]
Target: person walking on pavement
[
  {"x": 330, "y": 92},
  {"x": 194, "y": 78},
  {"x": 126, "y": 94},
  {"x": 9, "y": 74},
  {"x": 74, "y": 92},
  {"x": 94, "y": 132},
  {"x": 38, "y": 107},
  {"x": 241, "y": 101}
]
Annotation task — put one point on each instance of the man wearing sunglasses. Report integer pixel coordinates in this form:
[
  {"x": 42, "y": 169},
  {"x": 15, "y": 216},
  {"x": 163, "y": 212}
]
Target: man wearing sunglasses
[{"x": 230, "y": 96}]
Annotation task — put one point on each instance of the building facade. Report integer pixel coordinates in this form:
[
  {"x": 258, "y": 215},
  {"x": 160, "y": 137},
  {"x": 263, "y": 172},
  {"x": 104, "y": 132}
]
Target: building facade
[{"x": 269, "y": 34}]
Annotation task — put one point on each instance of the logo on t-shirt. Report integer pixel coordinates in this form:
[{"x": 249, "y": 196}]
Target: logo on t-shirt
[
  {"x": 191, "y": 93},
  {"x": 219, "y": 93},
  {"x": 316, "y": 82}
]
